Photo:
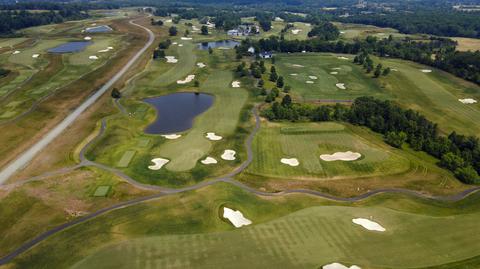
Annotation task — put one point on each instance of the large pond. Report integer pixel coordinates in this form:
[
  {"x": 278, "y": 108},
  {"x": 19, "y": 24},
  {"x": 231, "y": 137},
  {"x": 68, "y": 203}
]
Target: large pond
[
  {"x": 176, "y": 112},
  {"x": 98, "y": 29},
  {"x": 74, "y": 46},
  {"x": 218, "y": 44}
]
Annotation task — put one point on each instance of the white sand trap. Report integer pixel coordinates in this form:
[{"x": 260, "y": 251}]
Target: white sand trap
[
  {"x": 185, "y": 38},
  {"x": 106, "y": 50},
  {"x": 236, "y": 84},
  {"x": 369, "y": 225},
  {"x": 342, "y": 32},
  {"x": 297, "y": 65},
  {"x": 180, "y": 45},
  {"x": 16, "y": 52},
  {"x": 296, "y": 31},
  {"x": 35, "y": 55},
  {"x": 87, "y": 38},
  {"x": 159, "y": 163},
  {"x": 93, "y": 57},
  {"x": 168, "y": 21},
  {"x": 195, "y": 28},
  {"x": 468, "y": 101},
  {"x": 228, "y": 155},
  {"x": 312, "y": 77},
  {"x": 342, "y": 58},
  {"x": 235, "y": 217},
  {"x": 188, "y": 79},
  {"x": 334, "y": 73},
  {"x": 341, "y": 156},
  {"x": 309, "y": 82},
  {"x": 209, "y": 160},
  {"x": 278, "y": 19},
  {"x": 213, "y": 137},
  {"x": 294, "y": 74},
  {"x": 393, "y": 69},
  {"x": 291, "y": 161},
  {"x": 171, "y": 59},
  {"x": 426, "y": 71},
  {"x": 201, "y": 65},
  {"x": 337, "y": 265},
  {"x": 172, "y": 136},
  {"x": 341, "y": 86},
  {"x": 174, "y": 43}
]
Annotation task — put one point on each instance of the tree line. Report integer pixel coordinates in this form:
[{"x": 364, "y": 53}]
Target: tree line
[{"x": 458, "y": 153}]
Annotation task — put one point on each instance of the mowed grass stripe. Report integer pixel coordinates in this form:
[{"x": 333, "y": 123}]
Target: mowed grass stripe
[{"x": 126, "y": 158}]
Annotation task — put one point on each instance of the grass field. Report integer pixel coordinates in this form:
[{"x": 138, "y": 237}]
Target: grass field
[
  {"x": 159, "y": 78},
  {"x": 349, "y": 31},
  {"x": 185, "y": 231},
  {"x": 307, "y": 141},
  {"x": 324, "y": 87},
  {"x": 465, "y": 44}
]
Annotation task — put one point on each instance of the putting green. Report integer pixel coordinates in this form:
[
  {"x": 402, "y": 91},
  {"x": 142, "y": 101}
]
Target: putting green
[{"x": 307, "y": 141}]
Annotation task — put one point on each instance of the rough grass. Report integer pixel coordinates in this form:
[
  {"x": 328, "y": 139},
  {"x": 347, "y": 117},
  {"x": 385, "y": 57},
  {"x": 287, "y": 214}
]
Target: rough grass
[
  {"x": 295, "y": 231},
  {"x": 465, "y": 44},
  {"x": 307, "y": 141}
]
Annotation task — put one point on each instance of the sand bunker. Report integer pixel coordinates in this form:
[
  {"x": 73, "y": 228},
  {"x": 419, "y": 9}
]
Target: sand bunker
[
  {"x": 312, "y": 77},
  {"x": 294, "y": 74},
  {"x": 180, "y": 45},
  {"x": 106, "y": 50},
  {"x": 337, "y": 265},
  {"x": 158, "y": 163},
  {"x": 278, "y": 19},
  {"x": 35, "y": 55},
  {"x": 195, "y": 28},
  {"x": 468, "y": 101},
  {"x": 185, "y": 38},
  {"x": 188, "y": 79},
  {"x": 296, "y": 31},
  {"x": 334, "y": 73},
  {"x": 426, "y": 71},
  {"x": 171, "y": 59},
  {"x": 93, "y": 57},
  {"x": 341, "y": 86},
  {"x": 168, "y": 21},
  {"x": 16, "y": 52},
  {"x": 228, "y": 155},
  {"x": 342, "y": 58},
  {"x": 235, "y": 217},
  {"x": 172, "y": 136},
  {"x": 201, "y": 65},
  {"x": 309, "y": 82},
  {"x": 174, "y": 43},
  {"x": 341, "y": 156},
  {"x": 369, "y": 225},
  {"x": 291, "y": 161},
  {"x": 213, "y": 137},
  {"x": 236, "y": 84},
  {"x": 209, "y": 160}
]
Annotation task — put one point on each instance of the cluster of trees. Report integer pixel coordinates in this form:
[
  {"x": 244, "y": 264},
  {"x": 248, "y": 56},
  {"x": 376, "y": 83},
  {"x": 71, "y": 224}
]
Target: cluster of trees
[
  {"x": 156, "y": 22},
  {"x": 367, "y": 63},
  {"x": 4, "y": 72},
  {"x": 172, "y": 31},
  {"x": 14, "y": 20},
  {"x": 265, "y": 21},
  {"x": 435, "y": 22},
  {"x": 159, "y": 53},
  {"x": 437, "y": 52},
  {"x": 457, "y": 153},
  {"x": 324, "y": 31}
]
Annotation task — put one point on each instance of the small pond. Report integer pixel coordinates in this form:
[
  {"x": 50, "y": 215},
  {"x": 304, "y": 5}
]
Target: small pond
[
  {"x": 176, "y": 112},
  {"x": 74, "y": 46},
  {"x": 98, "y": 29},
  {"x": 218, "y": 44}
]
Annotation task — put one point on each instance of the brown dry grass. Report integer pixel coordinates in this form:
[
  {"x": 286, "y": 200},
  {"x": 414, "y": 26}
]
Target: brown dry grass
[{"x": 466, "y": 44}]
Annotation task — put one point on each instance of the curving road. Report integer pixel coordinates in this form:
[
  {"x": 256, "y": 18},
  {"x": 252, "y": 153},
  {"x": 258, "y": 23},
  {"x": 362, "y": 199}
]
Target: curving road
[{"x": 28, "y": 155}]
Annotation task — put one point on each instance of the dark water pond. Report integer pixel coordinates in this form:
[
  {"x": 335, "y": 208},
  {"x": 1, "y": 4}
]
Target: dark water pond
[
  {"x": 218, "y": 44},
  {"x": 98, "y": 29},
  {"x": 176, "y": 112},
  {"x": 75, "y": 46}
]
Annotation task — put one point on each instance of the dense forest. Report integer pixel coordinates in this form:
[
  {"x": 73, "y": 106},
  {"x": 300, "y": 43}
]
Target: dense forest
[
  {"x": 435, "y": 22},
  {"x": 457, "y": 153},
  {"x": 439, "y": 52},
  {"x": 14, "y": 20}
]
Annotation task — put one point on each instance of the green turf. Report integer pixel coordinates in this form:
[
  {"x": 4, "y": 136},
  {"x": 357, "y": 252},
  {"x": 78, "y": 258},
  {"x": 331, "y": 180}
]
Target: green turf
[
  {"x": 102, "y": 191},
  {"x": 307, "y": 141},
  {"x": 126, "y": 158},
  {"x": 186, "y": 231},
  {"x": 324, "y": 87}
]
